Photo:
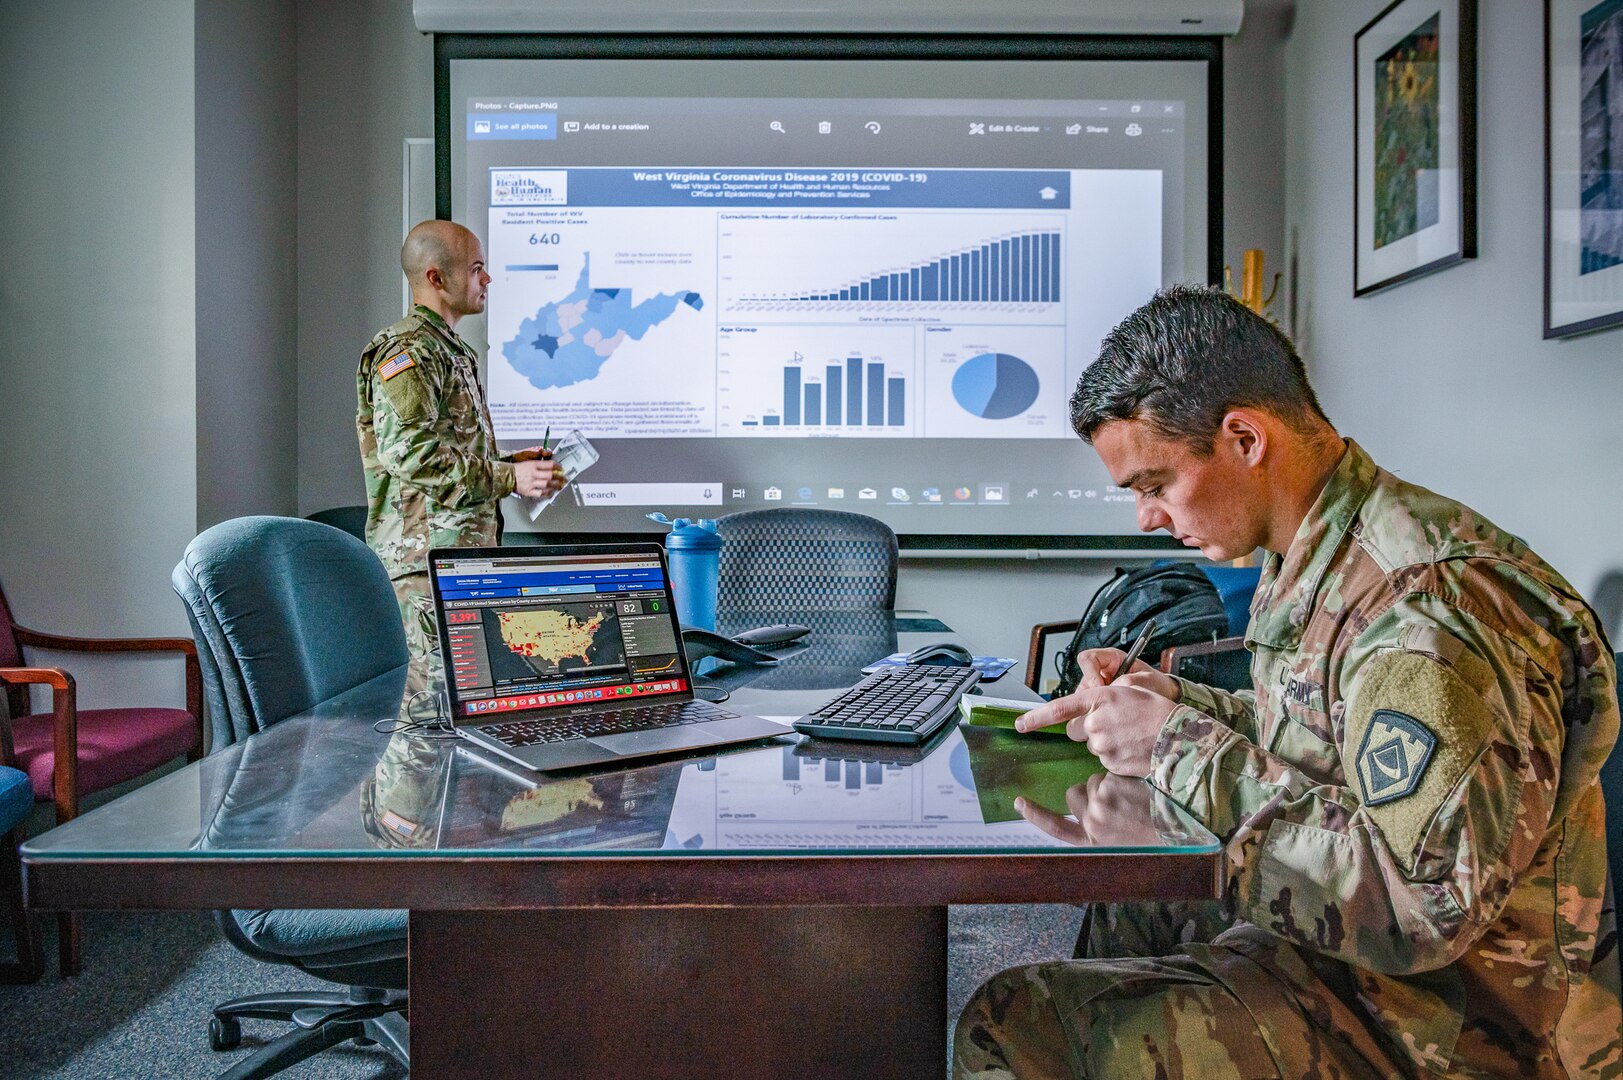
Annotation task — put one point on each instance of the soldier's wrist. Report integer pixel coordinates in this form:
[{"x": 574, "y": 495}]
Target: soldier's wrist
[{"x": 504, "y": 477}]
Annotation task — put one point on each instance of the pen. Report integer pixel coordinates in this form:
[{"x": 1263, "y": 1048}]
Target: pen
[
  {"x": 546, "y": 438},
  {"x": 1136, "y": 648}
]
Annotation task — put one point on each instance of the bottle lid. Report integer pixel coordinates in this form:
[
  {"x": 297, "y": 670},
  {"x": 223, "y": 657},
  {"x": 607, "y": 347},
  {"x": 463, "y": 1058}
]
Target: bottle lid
[{"x": 693, "y": 536}]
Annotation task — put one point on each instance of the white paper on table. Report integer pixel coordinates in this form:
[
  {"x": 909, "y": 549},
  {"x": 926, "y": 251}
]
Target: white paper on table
[{"x": 574, "y": 455}]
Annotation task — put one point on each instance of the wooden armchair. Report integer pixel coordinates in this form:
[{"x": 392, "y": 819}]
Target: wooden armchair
[
  {"x": 1037, "y": 651},
  {"x": 69, "y": 752}
]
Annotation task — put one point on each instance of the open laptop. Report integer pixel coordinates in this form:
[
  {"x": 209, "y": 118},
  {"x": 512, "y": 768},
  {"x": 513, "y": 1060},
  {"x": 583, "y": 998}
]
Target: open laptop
[{"x": 562, "y": 656}]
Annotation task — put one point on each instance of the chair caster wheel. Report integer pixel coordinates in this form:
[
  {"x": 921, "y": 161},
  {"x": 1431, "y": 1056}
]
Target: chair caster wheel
[{"x": 224, "y": 1033}]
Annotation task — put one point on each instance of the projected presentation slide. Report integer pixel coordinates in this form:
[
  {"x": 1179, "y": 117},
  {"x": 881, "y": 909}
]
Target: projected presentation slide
[{"x": 873, "y": 303}]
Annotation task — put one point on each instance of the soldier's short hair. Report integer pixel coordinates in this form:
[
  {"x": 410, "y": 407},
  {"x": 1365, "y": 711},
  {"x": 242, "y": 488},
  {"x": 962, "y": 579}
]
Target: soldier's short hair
[
  {"x": 1186, "y": 358},
  {"x": 432, "y": 243}
]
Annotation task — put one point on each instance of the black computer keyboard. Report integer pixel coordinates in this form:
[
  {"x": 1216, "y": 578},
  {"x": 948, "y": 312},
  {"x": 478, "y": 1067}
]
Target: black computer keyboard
[
  {"x": 527, "y": 731},
  {"x": 893, "y": 705}
]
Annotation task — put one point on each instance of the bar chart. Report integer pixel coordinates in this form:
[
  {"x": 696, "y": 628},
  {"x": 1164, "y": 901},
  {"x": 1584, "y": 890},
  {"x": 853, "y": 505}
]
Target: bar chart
[
  {"x": 1019, "y": 269},
  {"x": 818, "y": 380},
  {"x": 853, "y": 393},
  {"x": 943, "y": 264}
]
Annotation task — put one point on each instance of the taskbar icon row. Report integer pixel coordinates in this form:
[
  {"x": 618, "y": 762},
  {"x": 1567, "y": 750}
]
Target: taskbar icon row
[
  {"x": 981, "y": 494},
  {"x": 986, "y": 494}
]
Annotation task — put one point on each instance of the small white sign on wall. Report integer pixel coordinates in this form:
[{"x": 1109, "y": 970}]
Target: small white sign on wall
[{"x": 416, "y": 195}]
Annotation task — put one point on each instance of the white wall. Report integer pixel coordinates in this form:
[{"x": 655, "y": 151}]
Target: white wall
[
  {"x": 247, "y": 307},
  {"x": 1446, "y": 379},
  {"x": 1254, "y": 139},
  {"x": 98, "y": 371},
  {"x": 365, "y": 84}
]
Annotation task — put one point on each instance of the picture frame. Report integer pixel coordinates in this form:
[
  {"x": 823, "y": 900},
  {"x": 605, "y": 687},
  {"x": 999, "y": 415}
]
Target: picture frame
[
  {"x": 1414, "y": 142},
  {"x": 1583, "y": 166}
]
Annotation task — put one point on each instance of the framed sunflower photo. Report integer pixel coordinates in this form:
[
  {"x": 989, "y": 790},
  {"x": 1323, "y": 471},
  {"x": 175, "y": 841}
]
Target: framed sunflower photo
[
  {"x": 1414, "y": 176},
  {"x": 1583, "y": 166}
]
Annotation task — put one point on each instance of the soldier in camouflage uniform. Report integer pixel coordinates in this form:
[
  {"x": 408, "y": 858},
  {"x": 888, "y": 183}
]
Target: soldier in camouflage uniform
[
  {"x": 1415, "y": 875},
  {"x": 433, "y": 473}
]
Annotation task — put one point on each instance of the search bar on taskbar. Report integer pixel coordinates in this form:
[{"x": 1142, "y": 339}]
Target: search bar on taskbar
[{"x": 648, "y": 494}]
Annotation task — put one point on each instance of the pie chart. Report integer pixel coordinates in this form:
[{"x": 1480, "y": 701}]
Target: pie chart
[{"x": 995, "y": 386}]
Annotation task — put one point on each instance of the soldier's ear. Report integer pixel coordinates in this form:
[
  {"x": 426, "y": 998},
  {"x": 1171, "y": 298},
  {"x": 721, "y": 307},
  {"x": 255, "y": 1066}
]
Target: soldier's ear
[{"x": 1243, "y": 435}]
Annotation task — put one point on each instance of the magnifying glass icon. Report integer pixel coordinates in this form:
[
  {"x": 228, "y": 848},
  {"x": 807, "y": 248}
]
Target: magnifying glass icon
[{"x": 777, "y": 125}]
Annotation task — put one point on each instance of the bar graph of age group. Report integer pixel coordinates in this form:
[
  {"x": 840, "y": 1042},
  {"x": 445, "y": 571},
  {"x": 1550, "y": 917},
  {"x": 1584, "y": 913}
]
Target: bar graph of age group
[
  {"x": 838, "y": 266},
  {"x": 798, "y": 381}
]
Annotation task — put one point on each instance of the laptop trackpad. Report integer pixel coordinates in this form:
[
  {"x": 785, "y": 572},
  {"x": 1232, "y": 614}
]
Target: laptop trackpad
[{"x": 657, "y": 740}]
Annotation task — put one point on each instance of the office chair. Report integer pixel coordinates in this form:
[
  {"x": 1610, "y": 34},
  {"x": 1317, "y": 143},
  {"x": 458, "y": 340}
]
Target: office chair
[
  {"x": 288, "y": 613},
  {"x": 352, "y": 519},
  {"x": 69, "y": 751},
  {"x": 16, "y": 800},
  {"x": 790, "y": 561}
]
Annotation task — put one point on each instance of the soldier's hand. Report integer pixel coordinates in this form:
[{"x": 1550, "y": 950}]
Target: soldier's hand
[
  {"x": 536, "y": 479},
  {"x": 1099, "y": 667},
  {"x": 1119, "y": 722}
]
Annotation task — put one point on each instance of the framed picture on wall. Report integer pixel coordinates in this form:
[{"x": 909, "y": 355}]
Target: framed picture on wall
[
  {"x": 1583, "y": 166},
  {"x": 1414, "y": 175}
]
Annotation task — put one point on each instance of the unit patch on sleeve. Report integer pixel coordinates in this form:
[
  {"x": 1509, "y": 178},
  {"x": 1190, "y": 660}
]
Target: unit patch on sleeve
[
  {"x": 1396, "y": 750},
  {"x": 395, "y": 365},
  {"x": 1414, "y": 726}
]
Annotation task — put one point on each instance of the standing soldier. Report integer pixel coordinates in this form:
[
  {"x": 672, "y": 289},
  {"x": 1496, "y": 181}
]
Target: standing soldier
[
  {"x": 1415, "y": 857},
  {"x": 433, "y": 475}
]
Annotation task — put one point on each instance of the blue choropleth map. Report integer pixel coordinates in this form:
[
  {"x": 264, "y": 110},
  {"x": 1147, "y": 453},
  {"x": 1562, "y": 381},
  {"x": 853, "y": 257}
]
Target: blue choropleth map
[{"x": 569, "y": 340}]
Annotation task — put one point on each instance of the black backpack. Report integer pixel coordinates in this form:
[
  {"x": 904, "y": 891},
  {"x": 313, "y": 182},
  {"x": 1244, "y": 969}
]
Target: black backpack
[{"x": 1182, "y": 601}]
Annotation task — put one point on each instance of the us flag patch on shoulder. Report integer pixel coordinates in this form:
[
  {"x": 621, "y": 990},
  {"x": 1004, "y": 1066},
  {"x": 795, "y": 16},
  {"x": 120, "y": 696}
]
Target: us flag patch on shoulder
[{"x": 395, "y": 365}]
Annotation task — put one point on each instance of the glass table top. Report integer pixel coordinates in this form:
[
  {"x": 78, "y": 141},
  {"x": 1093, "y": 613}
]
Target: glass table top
[{"x": 341, "y": 780}]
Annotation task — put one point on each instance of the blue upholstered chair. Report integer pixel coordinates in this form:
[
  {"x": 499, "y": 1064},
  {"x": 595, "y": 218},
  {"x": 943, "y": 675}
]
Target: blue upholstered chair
[
  {"x": 288, "y": 613},
  {"x": 790, "y": 561},
  {"x": 16, "y": 800},
  {"x": 1235, "y": 585}
]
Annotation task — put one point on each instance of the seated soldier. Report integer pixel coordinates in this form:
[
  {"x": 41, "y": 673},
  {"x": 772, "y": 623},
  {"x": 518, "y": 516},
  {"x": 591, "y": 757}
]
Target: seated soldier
[{"x": 1415, "y": 874}]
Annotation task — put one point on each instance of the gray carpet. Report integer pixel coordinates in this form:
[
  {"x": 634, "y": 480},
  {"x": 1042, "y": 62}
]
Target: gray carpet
[{"x": 140, "y": 1007}]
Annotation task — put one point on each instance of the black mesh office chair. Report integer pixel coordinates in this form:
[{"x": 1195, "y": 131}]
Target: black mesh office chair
[
  {"x": 352, "y": 519},
  {"x": 792, "y": 561},
  {"x": 288, "y": 613}
]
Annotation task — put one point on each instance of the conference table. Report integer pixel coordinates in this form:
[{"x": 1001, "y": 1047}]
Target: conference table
[{"x": 777, "y": 909}]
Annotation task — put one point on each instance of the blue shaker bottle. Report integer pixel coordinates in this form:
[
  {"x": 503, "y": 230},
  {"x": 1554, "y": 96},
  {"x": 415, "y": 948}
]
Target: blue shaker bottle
[{"x": 694, "y": 552}]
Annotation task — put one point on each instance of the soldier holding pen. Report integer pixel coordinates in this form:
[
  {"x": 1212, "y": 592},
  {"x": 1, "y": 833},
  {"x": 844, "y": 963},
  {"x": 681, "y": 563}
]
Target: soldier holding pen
[{"x": 434, "y": 477}]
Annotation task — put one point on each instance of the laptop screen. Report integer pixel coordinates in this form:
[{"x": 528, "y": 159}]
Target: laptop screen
[{"x": 533, "y": 628}]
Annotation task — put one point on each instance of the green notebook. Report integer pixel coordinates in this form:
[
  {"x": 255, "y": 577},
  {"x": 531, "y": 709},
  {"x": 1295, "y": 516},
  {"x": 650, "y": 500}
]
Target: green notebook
[
  {"x": 984, "y": 711},
  {"x": 1008, "y": 765}
]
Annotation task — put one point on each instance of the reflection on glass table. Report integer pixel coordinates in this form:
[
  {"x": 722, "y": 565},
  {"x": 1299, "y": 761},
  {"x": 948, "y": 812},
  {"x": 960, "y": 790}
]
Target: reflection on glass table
[{"x": 622, "y": 883}]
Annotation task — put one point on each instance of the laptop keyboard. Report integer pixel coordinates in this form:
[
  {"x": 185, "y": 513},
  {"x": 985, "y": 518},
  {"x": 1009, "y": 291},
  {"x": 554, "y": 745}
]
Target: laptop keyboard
[
  {"x": 893, "y": 705},
  {"x": 537, "y": 730}
]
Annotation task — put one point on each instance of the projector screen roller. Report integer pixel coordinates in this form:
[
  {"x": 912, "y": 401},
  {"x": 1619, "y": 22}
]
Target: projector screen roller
[{"x": 865, "y": 285}]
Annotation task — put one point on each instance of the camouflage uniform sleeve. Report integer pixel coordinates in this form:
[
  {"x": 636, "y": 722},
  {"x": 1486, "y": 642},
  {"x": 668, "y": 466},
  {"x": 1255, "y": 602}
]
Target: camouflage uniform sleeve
[
  {"x": 1451, "y": 756},
  {"x": 1236, "y": 710},
  {"x": 418, "y": 445}
]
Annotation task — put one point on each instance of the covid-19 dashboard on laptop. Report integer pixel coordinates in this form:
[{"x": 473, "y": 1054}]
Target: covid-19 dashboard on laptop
[{"x": 532, "y": 631}]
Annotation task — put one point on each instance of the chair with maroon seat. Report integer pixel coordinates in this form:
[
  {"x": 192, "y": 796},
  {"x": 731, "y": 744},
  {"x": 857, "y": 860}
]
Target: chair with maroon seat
[{"x": 69, "y": 752}]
